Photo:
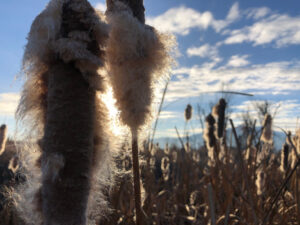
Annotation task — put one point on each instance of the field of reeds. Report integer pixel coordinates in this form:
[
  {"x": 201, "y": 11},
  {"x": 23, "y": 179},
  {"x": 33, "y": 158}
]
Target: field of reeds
[
  {"x": 219, "y": 183},
  {"x": 69, "y": 169}
]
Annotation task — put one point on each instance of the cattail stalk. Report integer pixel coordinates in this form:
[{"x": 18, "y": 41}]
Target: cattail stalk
[{"x": 136, "y": 179}]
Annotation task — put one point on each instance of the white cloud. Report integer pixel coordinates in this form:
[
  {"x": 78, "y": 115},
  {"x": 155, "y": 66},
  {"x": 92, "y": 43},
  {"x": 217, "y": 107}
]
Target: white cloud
[
  {"x": 204, "y": 51},
  {"x": 238, "y": 61},
  {"x": 181, "y": 20},
  {"x": 282, "y": 30},
  {"x": 101, "y": 6},
  {"x": 257, "y": 13},
  {"x": 276, "y": 77},
  {"x": 169, "y": 115},
  {"x": 8, "y": 103},
  {"x": 234, "y": 12}
]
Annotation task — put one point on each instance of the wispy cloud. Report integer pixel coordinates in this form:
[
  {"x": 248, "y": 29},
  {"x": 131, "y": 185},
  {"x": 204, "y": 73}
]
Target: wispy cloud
[
  {"x": 204, "y": 51},
  {"x": 257, "y": 13},
  {"x": 8, "y": 103},
  {"x": 279, "y": 77},
  {"x": 169, "y": 115},
  {"x": 280, "y": 29},
  {"x": 181, "y": 20},
  {"x": 238, "y": 61}
]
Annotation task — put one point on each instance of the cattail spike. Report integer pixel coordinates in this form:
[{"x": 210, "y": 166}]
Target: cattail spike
[
  {"x": 3, "y": 138},
  {"x": 188, "y": 112}
]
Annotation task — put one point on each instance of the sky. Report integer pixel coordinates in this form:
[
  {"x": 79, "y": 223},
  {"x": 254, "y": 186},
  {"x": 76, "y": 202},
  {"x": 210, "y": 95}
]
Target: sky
[{"x": 243, "y": 46}]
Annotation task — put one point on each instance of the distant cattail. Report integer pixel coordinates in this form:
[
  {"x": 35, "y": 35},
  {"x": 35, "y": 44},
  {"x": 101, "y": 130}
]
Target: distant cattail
[
  {"x": 154, "y": 150},
  {"x": 296, "y": 140},
  {"x": 174, "y": 156},
  {"x": 196, "y": 156},
  {"x": 165, "y": 163},
  {"x": 250, "y": 154},
  {"x": 195, "y": 198},
  {"x": 260, "y": 181},
  {"x": 188, "y": 112},
  {"x": 209, "y": 136},
  {"x": 3, "y": 138},
  {"x": 152, "y": 162},
  {"x": 187, "y": 147},
  {"x": 219, "y": 113},
  {"x": 267, "y": 130},
  {"x": 285, "y": 157},
  {"x": 167, "y": 149}
]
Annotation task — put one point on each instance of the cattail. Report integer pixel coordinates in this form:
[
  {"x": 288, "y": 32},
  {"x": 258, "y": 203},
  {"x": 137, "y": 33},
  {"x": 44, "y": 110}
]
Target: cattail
[
  {"x": 187, "y": 147},
  {"x": 296, "y": 141},
  {"x": 260, "y": 181},
  {"x": 250, "y": 154},
  {"x": 188, "y": 112},
  {"x": 285, "y": 157},
  {"x": 167, "y": 149},
  {"x": 165, "y": 167},
  {"x": 165, "y": 163},
  {"x": 152, "y": 162},
  {"x": 267, "y": 130},
  {"x": 174, "y": 156},
  {"x": 209, "y": 136},
  {"x": 3, "y": 138},
  {"x": 195, "y": 198},
  {"x": 219, "y": 113},
  {"x": 196, "y": 156},
  {"x": 137, "y": 57},
  {"x": 60, "y": 106}
]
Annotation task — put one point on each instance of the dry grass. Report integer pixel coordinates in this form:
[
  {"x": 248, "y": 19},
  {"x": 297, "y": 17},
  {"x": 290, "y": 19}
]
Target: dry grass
[{"x": 239, "y": 186}]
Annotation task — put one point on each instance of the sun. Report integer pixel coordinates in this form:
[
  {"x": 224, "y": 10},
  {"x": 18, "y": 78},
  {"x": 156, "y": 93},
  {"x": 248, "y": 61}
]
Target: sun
[{"x": 114, "y": 114}]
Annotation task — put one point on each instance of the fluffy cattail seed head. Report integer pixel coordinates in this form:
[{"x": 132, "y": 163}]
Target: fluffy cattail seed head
[
  {"x": 188, "y": 112},
  {"x": 267, "y": 135},
  {"x": 137, "y": 57},
  {"x": 3, "y": 138}
]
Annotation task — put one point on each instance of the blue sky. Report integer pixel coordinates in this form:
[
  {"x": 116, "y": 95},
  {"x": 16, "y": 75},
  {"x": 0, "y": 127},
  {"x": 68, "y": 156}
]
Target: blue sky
[{"x": 247, "y": 46}]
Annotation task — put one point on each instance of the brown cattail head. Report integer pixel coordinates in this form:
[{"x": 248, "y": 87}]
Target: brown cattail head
[
  {"x": 210, "y": 139},
  {"x": 209, "y": 133},
  {"x": 267, "y": 135},
  {"x": 285, "y": 157},
  {"x": 219, "y": 113},
  {"x": 188, "y": 112},
  {"x": 3, "y": 138}
]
